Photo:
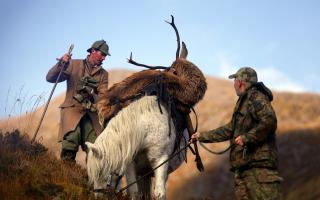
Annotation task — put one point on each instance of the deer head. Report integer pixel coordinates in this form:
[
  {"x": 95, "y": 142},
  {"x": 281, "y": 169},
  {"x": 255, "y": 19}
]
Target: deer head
[{"x": 187, "y": 81}]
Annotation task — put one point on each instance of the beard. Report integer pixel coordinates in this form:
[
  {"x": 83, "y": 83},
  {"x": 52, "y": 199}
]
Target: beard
[{"x": 99, "y": 62}]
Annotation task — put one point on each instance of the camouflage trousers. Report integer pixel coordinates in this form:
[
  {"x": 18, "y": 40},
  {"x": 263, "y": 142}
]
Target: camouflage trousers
[
  {"x": 84, "y": 132},
  {"x": 257, "y": 184}
]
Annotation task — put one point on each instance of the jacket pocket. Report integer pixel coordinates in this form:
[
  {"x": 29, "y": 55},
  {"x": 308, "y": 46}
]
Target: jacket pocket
[
  {"x": 238, "y": 158},
  {"x": 262, "y": 155},
  {"x": 267, "y": 176}
]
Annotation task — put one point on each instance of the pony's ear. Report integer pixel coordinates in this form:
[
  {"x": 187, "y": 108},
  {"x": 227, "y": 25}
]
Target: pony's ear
[{"x": 95, "y": 151}]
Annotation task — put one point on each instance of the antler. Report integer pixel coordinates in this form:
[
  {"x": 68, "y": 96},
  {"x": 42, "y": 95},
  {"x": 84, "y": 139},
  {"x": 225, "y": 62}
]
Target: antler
[
  {"x": 177, "y": 33},
  {"x": 143, "y": 65},
  {"x": 184, "y": 51}
]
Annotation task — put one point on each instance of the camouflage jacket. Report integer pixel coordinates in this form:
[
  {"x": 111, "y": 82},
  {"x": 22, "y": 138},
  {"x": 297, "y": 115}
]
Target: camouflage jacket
[{"x": 255, "y": 120}]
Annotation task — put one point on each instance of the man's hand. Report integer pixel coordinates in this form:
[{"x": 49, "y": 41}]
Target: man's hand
[
  {"x": 194, "y": 137},
  {"x": 66, "y": 58},
  {"x": 239, "y": 141}
]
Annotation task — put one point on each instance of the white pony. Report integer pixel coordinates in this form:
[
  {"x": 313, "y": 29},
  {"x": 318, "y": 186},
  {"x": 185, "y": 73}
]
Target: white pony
[
  {"x": 136, "y": 140},
  {"x": 140, "y": 137}
]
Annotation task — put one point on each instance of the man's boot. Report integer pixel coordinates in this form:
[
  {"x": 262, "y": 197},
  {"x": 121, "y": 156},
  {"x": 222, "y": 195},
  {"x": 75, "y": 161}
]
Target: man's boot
[{"x": 68, "y": 156}]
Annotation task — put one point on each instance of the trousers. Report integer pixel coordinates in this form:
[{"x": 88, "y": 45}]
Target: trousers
[
  {"x": 257, "y": 184},
  {"x": 84, "y": 132}
]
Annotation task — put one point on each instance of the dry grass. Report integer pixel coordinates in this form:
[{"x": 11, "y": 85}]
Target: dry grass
[{"x": 28, "y": 171}]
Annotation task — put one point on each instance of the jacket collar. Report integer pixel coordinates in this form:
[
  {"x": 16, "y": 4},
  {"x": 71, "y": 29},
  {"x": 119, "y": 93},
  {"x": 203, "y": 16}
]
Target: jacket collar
[
  {"x": 259, "y": 86},
  {"x": 94, "y": 70}
]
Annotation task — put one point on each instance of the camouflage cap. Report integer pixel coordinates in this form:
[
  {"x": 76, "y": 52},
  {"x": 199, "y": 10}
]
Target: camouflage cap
[
  {"x": 246, "y": 74},
  {"x": 100, "y": 45}
]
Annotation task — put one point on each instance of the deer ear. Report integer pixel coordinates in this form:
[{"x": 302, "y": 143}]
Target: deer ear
[
  {"x": 95, "y": 151},
  {"x": 184, "y": 51}
]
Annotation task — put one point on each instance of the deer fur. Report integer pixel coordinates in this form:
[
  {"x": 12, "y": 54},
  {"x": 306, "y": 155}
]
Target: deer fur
[{"x": 184, "y": 81}]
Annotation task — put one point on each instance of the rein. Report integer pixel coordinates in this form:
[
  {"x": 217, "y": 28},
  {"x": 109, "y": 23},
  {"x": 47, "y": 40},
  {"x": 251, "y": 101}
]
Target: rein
[
  {"x": 195, "y": 114},
  {"x": 105, "y": 191},
  {"x": 152, "y": 170},
  {"x": 216, "y": 152},
  {"x": 203, "y": 146}
]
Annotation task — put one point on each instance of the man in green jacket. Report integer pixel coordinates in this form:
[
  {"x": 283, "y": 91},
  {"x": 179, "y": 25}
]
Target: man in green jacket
[{"x": 251, "y": 131}]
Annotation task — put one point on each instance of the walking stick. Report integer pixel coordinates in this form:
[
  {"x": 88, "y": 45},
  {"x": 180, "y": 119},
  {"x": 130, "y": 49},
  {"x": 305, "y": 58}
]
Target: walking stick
[{"x": 47, "y": 104}]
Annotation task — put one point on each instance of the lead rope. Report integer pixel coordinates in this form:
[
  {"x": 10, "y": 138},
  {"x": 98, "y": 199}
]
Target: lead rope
[
  {"x": 191, "y": 131},
  {"x": 202, "y": 145},
  {"x": 196, "y": 129},
  {"x": 151, "y": 171},
  {"x": 216, "y": 152}
]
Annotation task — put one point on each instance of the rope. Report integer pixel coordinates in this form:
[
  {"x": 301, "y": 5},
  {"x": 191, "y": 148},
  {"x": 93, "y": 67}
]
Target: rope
[
  {"x": 196, "y": 129},
  {"x": 216, "y": 152},
  {"x": 167, "y": 160},
  {"x": 151, "y": 171},
  {"x": 203, "y": 146}
]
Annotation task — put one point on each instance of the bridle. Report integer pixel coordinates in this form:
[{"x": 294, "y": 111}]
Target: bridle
[{"x": 107, "y": 190}]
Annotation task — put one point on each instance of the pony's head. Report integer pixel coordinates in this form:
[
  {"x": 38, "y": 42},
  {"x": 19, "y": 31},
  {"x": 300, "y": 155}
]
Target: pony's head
[{"x": 95, "y": 168}]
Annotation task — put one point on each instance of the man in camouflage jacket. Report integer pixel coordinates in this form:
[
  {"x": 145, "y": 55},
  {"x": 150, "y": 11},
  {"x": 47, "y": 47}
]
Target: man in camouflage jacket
[
  {"x": 251, "y": 131},
  {"x": 87, "y": 81}
]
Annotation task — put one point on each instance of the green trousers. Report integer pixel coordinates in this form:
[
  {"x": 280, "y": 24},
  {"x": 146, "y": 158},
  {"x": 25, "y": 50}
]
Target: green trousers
[
  {"x": 257, "y": 184},
  {"x": 84, "y": 132}
]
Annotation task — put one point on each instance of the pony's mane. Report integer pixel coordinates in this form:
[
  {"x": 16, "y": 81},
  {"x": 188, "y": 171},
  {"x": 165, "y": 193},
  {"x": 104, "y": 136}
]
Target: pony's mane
[{"x": 118, "y": 147}]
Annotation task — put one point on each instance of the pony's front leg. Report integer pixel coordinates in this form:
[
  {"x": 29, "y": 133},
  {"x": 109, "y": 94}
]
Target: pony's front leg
[
  {"x": 161, "y": 175},
  {"x": 132, "y": 177}
]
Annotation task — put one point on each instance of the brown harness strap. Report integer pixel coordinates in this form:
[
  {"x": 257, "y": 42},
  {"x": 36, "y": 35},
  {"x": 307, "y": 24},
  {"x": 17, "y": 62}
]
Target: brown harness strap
[{"x": 196, "y": 152}]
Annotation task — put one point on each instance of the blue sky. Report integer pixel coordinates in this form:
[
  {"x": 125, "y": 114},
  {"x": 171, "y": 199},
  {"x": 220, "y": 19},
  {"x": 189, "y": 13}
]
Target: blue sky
[{"x": 280, "y": 39}]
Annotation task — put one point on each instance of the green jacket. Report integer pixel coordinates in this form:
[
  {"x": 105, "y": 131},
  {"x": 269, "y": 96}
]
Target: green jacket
[{"x": 255, "y": 120}]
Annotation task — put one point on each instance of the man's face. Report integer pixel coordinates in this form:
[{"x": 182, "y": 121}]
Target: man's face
[
  {"x": 97, "y": 57},
  {"x": 238, "y": 85}
]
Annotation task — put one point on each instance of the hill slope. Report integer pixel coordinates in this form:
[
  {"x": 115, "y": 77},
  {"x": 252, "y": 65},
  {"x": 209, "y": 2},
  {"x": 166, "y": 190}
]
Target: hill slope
[{"x": 298, "y": 136}]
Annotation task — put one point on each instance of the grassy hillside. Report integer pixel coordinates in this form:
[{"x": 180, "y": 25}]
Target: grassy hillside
[
  {"x": 29, "y": 171},
  {"x": 298, "y": 138}
]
